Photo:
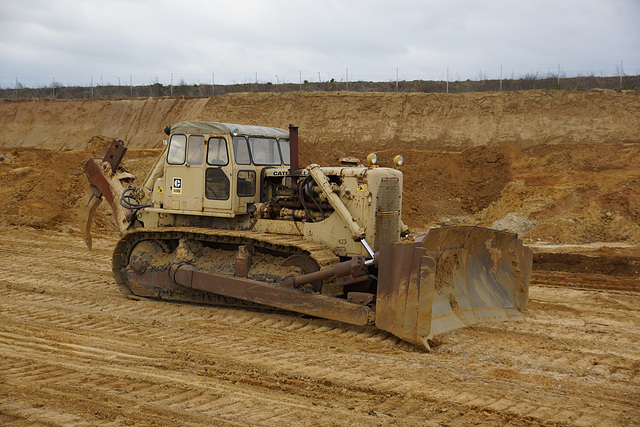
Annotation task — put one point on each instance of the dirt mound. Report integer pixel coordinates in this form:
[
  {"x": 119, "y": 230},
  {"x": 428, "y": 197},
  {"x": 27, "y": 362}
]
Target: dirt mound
[
  {"x": 42, "y": 188},
  {"x": 550, "y": 193},
  {"x": 38, "y": 187},
  {"x": 573, "y": 194},
  {"x": 589, "y": 193}
]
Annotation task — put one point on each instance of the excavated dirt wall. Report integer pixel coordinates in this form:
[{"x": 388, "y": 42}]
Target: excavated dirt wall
[
  {"x": 553, "y": 166},
  {"x": 341, "y": 121}
]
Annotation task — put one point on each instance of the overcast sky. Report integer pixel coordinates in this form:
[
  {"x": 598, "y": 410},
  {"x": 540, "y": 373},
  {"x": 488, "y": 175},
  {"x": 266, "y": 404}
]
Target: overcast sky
[{"x": 75, "y": 40}]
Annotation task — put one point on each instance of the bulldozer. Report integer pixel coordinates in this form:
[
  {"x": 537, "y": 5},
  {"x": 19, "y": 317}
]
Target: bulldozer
[{"x": 226, "y": 216}]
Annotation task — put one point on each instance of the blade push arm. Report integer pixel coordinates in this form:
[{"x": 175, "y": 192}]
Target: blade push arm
[{"x": 323, "y": 182}]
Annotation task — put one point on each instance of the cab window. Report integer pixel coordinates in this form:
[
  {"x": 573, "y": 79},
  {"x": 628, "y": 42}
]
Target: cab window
[
  {"x": 177, "y": 149},
  {"x": 246, "y": 183},
  {"x": 241, "y": 151},
  {"x": 216, "y": 184},
  {"x": 264, "y": 151},
  {"x": 285, "y": 151},
  {"x": 195, "y": 153},
  {"x": 217, "y": 152}
]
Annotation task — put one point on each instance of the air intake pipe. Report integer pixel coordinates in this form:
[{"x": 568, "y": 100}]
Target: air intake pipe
[{"x": 293, "y": 154}]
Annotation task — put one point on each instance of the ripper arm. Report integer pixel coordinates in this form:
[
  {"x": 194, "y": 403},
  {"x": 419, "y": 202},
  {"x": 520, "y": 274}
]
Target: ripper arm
[{"x": 108, "y": 180}]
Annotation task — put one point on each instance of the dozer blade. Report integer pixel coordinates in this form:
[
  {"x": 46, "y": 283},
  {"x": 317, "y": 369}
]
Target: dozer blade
[
  {"x": 405, "y": 291},
  {"x": 450, "y": 278},
  {"x": 88, "y": 205}
]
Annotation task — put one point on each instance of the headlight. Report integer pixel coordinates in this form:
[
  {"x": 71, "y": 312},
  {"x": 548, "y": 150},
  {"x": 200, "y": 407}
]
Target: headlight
[
  {"x": 372, "y": 159},
  {"x": 398, "y": 161}
]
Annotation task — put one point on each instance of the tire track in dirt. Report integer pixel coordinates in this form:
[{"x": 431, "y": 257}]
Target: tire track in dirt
[
  {"x": 157, "y": 362},
  {"x": 288, "y": 359},
  {"x": 175, "y": 389},
  {"x": 169, "y": 395}
]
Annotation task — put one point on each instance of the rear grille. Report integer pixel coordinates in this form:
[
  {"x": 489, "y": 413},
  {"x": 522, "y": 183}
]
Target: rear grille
[{"x": 388, "y": 203}]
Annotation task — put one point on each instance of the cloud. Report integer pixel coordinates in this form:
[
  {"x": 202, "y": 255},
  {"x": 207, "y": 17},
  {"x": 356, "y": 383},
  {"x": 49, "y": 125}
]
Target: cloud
[{"x": 147, "y": 38}]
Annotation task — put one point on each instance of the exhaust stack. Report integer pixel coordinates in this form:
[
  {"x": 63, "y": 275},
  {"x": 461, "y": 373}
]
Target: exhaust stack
[{"x": 293, "y": 149}]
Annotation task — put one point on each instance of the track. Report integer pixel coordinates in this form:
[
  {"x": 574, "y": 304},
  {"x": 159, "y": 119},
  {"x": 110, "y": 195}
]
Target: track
[
  {"x": 75, "y": 351},
  {"x": 282, "y": 245}
]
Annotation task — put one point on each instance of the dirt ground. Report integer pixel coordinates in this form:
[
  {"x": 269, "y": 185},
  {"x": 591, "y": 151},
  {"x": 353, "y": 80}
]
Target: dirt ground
[{"x": 75, "y": 351}]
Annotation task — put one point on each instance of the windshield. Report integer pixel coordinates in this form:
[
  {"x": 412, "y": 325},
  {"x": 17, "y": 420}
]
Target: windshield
[
  {"x": 195, "y": 153},
  {"x": 264, "y": 151},
  {"x": 240, "y": 150},
  {"x": 217, "y": 152}
]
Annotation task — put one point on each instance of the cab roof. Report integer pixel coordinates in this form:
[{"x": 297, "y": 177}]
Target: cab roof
[{"x": 201, "y": 127}]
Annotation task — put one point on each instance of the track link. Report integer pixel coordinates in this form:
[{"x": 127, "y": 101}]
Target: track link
[{"x": 279, "y": 244}]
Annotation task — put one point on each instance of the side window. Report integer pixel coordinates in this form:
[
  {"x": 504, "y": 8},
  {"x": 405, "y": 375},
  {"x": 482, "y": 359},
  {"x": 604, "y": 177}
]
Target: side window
[
  {"x": 216, "y": 184},
  {"x": 285, "y": 150},
  {"x": 195, "y": 154},
  {"x": 246, "y": 183},
  {"x": 264, "y": 151},
  {"x": 217, "y": 152},
  {"x": 241, "y": 151},
  {"x": 177, "y": 149}
]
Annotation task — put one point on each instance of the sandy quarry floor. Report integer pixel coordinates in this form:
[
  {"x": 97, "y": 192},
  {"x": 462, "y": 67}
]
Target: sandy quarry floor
[
  {"x": 75, "y": 351},
  {"x": 561, "y": 169}
]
